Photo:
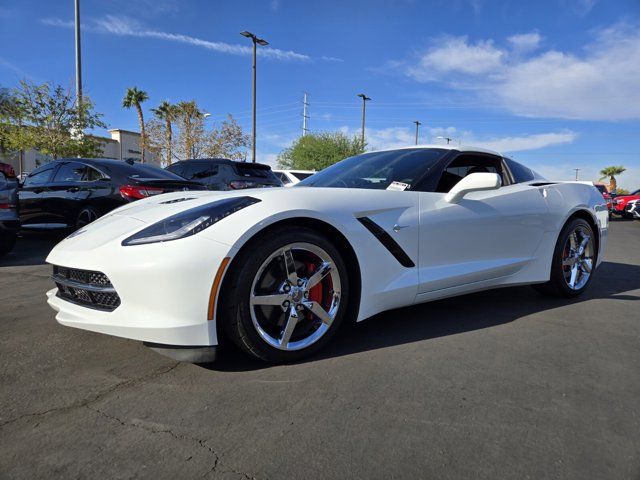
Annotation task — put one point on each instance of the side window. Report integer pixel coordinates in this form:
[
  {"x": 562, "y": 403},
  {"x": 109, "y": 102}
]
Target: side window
[
  {"x": 467, "y": 164},
  {"x": 39, "y": 177},
  {"x": 283, "y": 177},
  {"x": 70, "y": 172},
  {"x": 177, "y": 168},
  {"x": 200, "y": 172},
  {"x": 520, "y": 172},
  {"x": 92, "y": 175}
]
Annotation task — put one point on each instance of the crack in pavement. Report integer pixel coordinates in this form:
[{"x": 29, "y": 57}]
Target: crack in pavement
[
  {"x": 95, "y": 398},
  {"x": 178, "y": 436}
]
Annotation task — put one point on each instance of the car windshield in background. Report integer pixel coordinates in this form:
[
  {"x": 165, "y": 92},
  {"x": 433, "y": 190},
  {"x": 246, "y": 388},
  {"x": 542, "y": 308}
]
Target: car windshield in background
[
  {"x": 300, "y": 175},
  {"x": 147, "y": 171},
  {"x": 601, "y": 188},
  {"x": 377, "y": 170}
]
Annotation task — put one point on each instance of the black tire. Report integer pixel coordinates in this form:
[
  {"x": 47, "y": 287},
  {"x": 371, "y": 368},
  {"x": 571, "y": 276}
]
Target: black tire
[
  {"x": 6, "y": 243},
  {"x": 86, "y": 216},
  {"x": 234, "y": 312},
  {"x": 557, "y": 285}
]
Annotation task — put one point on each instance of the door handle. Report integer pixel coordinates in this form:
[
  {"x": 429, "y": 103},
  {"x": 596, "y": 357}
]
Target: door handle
[{"x": 73, "y": 189}]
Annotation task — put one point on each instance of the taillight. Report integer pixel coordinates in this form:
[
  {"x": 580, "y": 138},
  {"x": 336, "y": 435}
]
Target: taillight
[
  {"x": 240, "y": 184},
  {"x": 6, "y": 206},
  {"x": 135, "y": 192}
]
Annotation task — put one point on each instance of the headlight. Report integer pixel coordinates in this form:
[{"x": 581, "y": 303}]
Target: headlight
[{"x": 190, "y": 222}]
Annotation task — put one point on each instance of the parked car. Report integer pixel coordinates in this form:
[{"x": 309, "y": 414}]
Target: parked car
[
  {"x": 70, "y": 193},
  {"x": 9, "y": 222},
  {"x": 278, "y": 270},
  {"x": 223, "y": 174},
  {"x": 602, "y": 188},
  {"x": 621, "y": 201},
  {"x": 633, "y": 209},
  {"x": 291, "y": 177}
]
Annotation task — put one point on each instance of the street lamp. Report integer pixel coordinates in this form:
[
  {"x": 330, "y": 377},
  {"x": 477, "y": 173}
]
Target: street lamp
[
  {"x": 445, "y": 138},
  {"x": 256, "y": 41},
  {"x": 365, "y": 99},
  {"x": 417, "y": 125}
]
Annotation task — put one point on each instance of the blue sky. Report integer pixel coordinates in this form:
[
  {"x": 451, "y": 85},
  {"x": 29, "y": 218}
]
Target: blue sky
[{"x": 555, "y": 84}]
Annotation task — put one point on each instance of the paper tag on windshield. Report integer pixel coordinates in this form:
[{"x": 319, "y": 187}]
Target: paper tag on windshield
[{"x": 398, "y": 186}]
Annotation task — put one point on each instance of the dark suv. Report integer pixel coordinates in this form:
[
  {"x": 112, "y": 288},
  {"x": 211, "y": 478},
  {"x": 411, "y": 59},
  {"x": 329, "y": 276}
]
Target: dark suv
[
  {"x": 9, "y": 222},
  {"x": 223, "y": 174},
  {"x": 70, "y": 193}
]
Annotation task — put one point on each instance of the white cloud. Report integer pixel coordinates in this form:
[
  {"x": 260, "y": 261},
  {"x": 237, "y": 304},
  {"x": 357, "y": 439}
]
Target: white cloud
[
  {"x": 524, "y": 42},
  {"x": 456, "y": 54},
  {"x": 331, "y": 59},
  {"x": 125, "y": 26},
  {"x": 525, "y": 142},
  {"x": 396, "y": 137},
  {"x": 275, "y": 4},
  {"x": 599, "y": 83}
]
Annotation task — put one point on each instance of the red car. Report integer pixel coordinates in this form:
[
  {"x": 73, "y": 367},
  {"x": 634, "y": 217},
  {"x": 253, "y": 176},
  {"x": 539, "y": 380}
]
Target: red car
[
  {"x": 620, "y": 202},
  {"x": 602, "y": 188}
]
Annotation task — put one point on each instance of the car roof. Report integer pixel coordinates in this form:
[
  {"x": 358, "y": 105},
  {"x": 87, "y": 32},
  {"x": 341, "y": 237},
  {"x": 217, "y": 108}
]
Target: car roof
[
  {"x": 220, "y": 161},
  {"x": 459, "y": 148},
  {"x": 294, "y": 171}
]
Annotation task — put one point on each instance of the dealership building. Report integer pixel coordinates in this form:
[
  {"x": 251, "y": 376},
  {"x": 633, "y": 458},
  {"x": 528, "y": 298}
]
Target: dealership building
[{"x": 123, "y": 145}]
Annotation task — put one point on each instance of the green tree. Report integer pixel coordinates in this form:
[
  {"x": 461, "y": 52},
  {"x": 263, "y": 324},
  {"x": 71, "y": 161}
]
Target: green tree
[
  {"x": 611, "y": 172},
  {"x": 47, "y": 118},
  {"x": 134, "y": 98},
  {"x": 167, "y": 113},
  {"x": 227, "y": 141},
  {"x": 319, "y": 150}
]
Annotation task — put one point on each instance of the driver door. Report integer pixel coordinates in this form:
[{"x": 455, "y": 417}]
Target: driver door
[{"x": 482, "y": 238}]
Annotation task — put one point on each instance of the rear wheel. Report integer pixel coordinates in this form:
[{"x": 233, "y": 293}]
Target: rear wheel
[
  {"x": 86, "y": 216},
  {"x": 574, "y": 261},
  {"x": 6, "y": 243},
  {"x": 287, "y": 295}
]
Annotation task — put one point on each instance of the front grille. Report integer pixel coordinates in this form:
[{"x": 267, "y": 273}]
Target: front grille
[{"x": 85, "y": 287}]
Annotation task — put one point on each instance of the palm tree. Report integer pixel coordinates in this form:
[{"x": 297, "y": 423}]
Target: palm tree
[
  {"x": 611, "y": 172},
  {"x": 134, "y": 98},
  {"x": 168, "y": 113},
  {"x": 191, "y": 126}
]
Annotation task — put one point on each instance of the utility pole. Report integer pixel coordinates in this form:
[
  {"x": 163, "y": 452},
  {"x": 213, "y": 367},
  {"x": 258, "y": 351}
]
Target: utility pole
[
  {"x": 256, "y": 41},
  {"x": 365, "y": 99},
  {"x": 305, "y": 116},
  {"x": 78, "y": 57},
  {"x": 577, "y": 170},
  {"x": 417, "y": 125}
]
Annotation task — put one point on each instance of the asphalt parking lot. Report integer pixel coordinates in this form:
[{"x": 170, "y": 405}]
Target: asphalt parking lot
[{"x": 501, "y": 384}]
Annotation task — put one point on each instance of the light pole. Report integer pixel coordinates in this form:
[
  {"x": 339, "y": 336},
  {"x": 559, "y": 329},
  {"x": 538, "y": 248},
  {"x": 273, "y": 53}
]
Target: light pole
[
  {"x": 417, "y": 125},
  {"x": 365, "y": 99},
  {"x": 445, "y": 138},
  {"x": 577, "y": 170},
  {"x": 256, "y": 41},
  {"x": 78, "y": 57}
]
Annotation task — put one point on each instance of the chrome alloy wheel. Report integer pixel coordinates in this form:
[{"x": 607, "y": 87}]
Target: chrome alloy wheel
[
  {"x": 295, "y": 296},
  {"x": 86, "y": 217},
  {"x": 577, "y": 258}
]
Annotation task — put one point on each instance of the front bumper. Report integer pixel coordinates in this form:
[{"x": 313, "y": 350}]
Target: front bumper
[{"x": 164, "y": 290}]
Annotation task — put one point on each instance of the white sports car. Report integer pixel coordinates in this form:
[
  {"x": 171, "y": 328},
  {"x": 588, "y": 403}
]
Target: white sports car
[{"x": 278, "y": 270}]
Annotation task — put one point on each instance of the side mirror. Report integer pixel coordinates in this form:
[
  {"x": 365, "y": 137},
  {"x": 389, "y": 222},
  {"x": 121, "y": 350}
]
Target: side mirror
[{"x": 475, "y": 182}]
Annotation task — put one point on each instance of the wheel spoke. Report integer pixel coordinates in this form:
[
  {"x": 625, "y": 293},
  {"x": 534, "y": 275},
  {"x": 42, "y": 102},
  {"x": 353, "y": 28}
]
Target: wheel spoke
[
  {"x": 574, "y": 275},
  {"x": 583, "y": 244},
  {"x": 573, "y": 240},
  {"x": 568, "y": 262},
  {"x": 317, "y": 277},
  {"x": 319, "y": 312},
  {"x": 587, "y": 264},
  {"x": 277, "y": 299},
  {"x": 290, "y": 326},
  {"x": 290, "y": 266}
]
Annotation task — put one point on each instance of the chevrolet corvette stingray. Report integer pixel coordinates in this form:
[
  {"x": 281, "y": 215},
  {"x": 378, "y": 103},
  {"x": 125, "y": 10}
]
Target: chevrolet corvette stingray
[{"x": 277, "y": 271}]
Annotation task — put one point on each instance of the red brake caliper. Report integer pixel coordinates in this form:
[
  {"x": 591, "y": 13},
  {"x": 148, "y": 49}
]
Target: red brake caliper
[{"x": 316, "y": 293}]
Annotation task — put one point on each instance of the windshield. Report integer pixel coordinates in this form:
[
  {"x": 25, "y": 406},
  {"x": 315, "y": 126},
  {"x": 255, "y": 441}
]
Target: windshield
[
  {"x": 301, "y": 175},
  {"x": 393, "y": 169}
]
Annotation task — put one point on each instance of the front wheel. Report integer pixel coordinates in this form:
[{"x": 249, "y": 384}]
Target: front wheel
[
  {"x": 86, "y": 216},
  {"x": 286, "y": 295},
  {"x": 574, "y": 261}
]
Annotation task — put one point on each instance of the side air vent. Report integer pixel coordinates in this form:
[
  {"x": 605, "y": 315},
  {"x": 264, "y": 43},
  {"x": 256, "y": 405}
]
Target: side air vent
[
  {"x": 177, "y": 200},
  {"x": 389, "y": 243}
]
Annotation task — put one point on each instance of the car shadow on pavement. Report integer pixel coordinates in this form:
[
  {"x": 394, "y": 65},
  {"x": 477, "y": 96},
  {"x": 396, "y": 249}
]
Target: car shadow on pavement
[
  {"x": 450, "y": 317},
  {"x": 32, "y": 248}
]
